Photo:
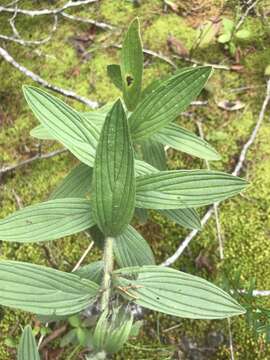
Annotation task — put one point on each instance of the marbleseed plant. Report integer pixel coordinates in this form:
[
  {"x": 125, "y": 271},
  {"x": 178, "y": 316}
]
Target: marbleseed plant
[{"x": 122, "y": 174}]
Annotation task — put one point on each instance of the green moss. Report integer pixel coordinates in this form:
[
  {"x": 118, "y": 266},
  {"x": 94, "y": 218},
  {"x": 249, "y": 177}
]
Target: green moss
[{"x": 156, "y": 34}]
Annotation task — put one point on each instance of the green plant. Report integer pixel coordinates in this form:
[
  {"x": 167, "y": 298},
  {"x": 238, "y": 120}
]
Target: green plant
[
  {"x": 229, "y": 35},
  {"x": 122, "y": 173}
]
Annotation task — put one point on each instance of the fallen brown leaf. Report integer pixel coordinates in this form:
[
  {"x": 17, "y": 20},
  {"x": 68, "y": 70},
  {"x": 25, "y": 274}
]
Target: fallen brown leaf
[
  {"x": 177, "y": 47},
  {"x": 229, "y": 105}
]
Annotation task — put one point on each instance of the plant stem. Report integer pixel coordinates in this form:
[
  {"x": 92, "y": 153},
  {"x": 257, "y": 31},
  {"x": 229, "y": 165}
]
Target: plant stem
[{"x": 108, "y": 268}]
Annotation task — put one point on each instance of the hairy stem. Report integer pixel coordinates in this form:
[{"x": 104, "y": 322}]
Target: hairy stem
[{"x": 108, "y": 268}]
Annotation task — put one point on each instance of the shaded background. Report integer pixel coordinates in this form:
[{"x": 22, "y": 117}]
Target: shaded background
[{"x": 75, "y": 58}]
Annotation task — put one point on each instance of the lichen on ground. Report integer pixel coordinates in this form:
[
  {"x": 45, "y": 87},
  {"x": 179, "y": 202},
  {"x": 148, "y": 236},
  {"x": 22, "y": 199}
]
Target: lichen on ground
[{"x": 244, "y": 219}]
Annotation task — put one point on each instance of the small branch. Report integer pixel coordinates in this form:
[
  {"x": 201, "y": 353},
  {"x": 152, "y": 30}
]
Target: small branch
[
  {"x": 243, "y": 17},
  {"x": 108, "y": 268},
  {"x": 230, "y": 339},
  {"x": 161, "y": 57},
  {"x": 245, "y": 148},
  {"x": 236, "y": 171},
  {"x": 46, "y": 84},
  {"x": 76, "y": 267},
  {"x": 100, "y": 25},
  {"x": 197, "y": 62},
  {"x": 54, "y": 335},
  {"x": 254, "y": 292},
  {"x": 32, "y": 13},
  {"x": 6, "y": 169},
  {"x": 19, "y": 40}
]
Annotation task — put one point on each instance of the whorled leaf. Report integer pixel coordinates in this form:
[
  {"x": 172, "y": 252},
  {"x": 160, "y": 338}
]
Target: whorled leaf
[
  {"x": 175, "y": 293},
  {"x": 180, "y": 189},
  {"x": 132, "y": 65},
  {"x": 188, "y": 218},
  {"x": 76, "y": 184},
  {"x": 92, "y": 271},
  {"x": 46, "y": 221},
  {"x": 131, "y": 249},
  {"x": 113, "y": 185},
  {"x": 43, "y": 290},
  {"x": 181, "y": 139},
  {"x": 114, "y": 73},
  {"x": 64, "y": 123},
  {"x": 154, "y": 153},
  {"x": 167, "y": 101}
]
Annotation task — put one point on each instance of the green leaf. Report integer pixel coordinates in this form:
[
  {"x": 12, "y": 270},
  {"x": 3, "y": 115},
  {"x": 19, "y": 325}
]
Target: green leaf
[
  {"x": 112, "y": 331},
  {"x": 184, "y": 140},
  {"x": 141, "y": 215},
  {"x": 131, "y": 249},
  {"x": 47, "y": 221},
  {"x": 167, "y": 101},
  {"x": 95, "y": 117},
  {"x": 155, "y": 83},
  {"x": 228, "y": 25},
  {"x": 176, "y": 293},
  {"x": 132, "y": 65},
  {"x": 188, "y": 218},
  {"x": 243, "y": 34},
  {"x": 185, "y": 188},
  {"x": 65, "y": 124},
  {"x": 27, "y": 349},
  {"x": 76, "y": 184},
  {"x": 42, "y": 133},
  {"x": 224, "y": 38},
  {"x": 114, "y": 176},
  {"x": 93, "y": 271},
  {"x": 43, "y": 290},
  {"x": 143, "y": 168},
  {"x": 114, "y": 73},
  {"x": 69, "y": 338},
  {"x": 154, "y": 154}
]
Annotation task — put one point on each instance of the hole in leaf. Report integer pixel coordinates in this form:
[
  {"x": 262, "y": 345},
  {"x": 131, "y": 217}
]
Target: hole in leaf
[{"x": 129, "y": 80}]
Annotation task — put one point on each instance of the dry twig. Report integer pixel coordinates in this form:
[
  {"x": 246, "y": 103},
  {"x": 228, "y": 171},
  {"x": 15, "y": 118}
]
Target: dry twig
[
  {"x": 69, "y": 93},
  {"x": 9, "y": 168}
]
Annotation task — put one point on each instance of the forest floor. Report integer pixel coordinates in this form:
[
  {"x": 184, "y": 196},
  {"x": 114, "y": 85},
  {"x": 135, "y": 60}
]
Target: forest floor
[{"x": 76, "y": 58}]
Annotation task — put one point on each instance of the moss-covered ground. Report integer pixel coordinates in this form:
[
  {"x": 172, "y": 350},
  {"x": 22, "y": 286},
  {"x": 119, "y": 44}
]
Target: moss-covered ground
[{"x": 245, "y": 220}]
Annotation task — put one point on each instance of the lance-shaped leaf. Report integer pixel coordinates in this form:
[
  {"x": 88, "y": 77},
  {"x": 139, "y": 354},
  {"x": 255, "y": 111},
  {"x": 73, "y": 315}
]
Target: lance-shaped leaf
[
  {"x": 188, "y": 218},
  {"x": 113, "y": 183},
  {"x": 76, "y": 184},
  {"x": 167, "y": 101},
  {"x": 93, "y": 117},
  {"x": 27, "y": 349},
  {"x": 176, "y": 293},
  {"x": 42, "y": 133},
  {"x": 43, "y": 290},
  {"x": 113, "y": 331},
  {"x": 184, "y": 140},
  {"x": 92, "y": 271},
  {"x": 132, "y": 65},
  {"x": 143, "y": 168},
  {"x": 50, "y": 220},
  {"x": 114, "y": 73},
  {"x": 65, "y": 124},
  {"x": 154, "y": 153},
  {"x": 131, "y": 249},
  {"x": 185, "y": 188}
]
